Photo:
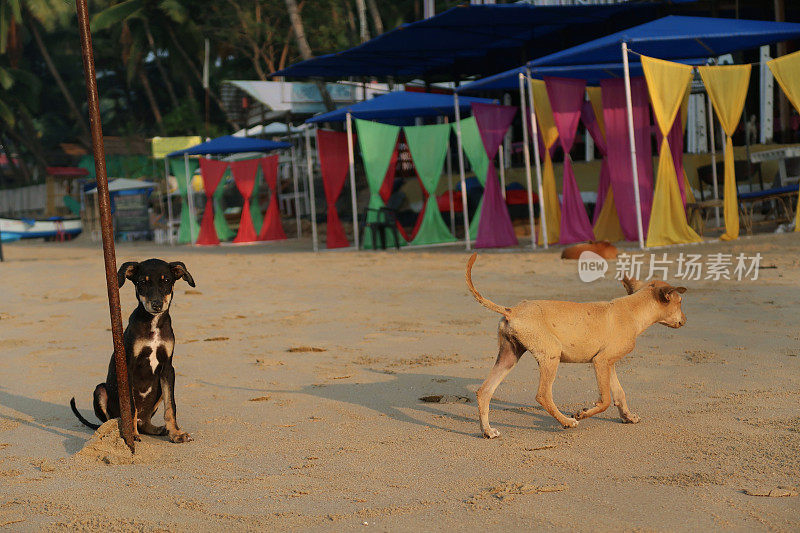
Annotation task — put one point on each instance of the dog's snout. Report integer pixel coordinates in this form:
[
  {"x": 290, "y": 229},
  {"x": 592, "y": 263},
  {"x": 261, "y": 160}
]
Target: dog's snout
[{"x": 156, "y": 305}]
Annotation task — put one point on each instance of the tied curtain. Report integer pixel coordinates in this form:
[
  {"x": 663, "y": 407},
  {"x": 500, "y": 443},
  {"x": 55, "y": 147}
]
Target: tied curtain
[
  {"x": 224, "y": 231},
  {"x": 428, "y": 146},
  {"x": 255, "y": 207},
  {"x": 334, "y": 164},
  {"x": 786, "y": 70},
  {"x": 472, "y": 145},
  {"x": 212, "y": 172},
  {"x": 188, "y": 230},
  {"x": 566, "y": 100},
  {"x": 244, "y": 175},
  {"x": 548, "y": 135},
  {"x": 377, "y": 142},
  {"x": 605, "y": 221},
  {"x": 494, "y": 228},
  {"x": 386, "y": 192},
  {"x": 675, "y": 140},
  {"x": 272, "y": 228},
  {"x": 727, "y": 88},
  {"x": 668, "y": 83},
  {"x": 615, "y": 117}
]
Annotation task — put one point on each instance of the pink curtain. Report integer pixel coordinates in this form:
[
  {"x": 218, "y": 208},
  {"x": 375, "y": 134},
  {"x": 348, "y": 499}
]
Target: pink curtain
[
  {"x": 212, "y": 172},
  {"x": 334, "y": 164},
  {"x": 271, "y": 229},
  {"x": 566, "y": 99},
  {"x": 494, "y": 228},
  {"x": 244, "y": 175},
  {"x": 619, "y": 155},
  {"x": 592, "y": 126}
]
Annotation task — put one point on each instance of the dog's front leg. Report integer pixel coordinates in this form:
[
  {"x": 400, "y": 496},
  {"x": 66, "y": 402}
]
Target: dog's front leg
[
  {"x": 602, "y": 370},
  {"x": 619, "y": 399},
  {"x": 168, "y": 395}
]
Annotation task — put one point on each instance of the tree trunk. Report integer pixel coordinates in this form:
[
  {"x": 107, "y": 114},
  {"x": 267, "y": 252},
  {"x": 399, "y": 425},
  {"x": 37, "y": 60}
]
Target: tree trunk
[
  {"x": 361, "y": 6},
  {"x": 60, "y": 82},
  {"x": 151, "y": 99},
  {"x": 161, "y": 70},
  {"x": 305, "y": 49},
  {"x": 376, "y": 16},
  {"x": 783, "y": 104}
]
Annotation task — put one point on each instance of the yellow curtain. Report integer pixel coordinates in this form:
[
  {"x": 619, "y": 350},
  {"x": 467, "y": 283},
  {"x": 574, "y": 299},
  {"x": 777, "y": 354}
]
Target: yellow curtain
[
  {"x": 727, "y": 88},
  {"x": 667, "y": 83},
  {"x": 786, "y": 70},
  {"x": 607, "y": 227},
  {"x": 549, "y": 134}
]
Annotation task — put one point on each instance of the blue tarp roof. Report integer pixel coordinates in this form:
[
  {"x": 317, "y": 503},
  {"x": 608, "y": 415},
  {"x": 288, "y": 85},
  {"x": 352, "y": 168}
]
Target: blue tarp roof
[
  {"x": 473, "y": 40},
  {"x": 676, "y": 37},
  {"x": 229, "y": 144},
  {"x": 401, "y": 105},
  {"x": 509, "y": 80}
]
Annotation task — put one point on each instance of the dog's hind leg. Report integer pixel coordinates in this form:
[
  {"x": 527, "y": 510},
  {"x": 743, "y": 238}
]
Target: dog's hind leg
[
  {"x": 509, "y": 353},
  {"x": 619, "y": 399},
  {"x": 101, "y": 403},
  {"x": 548, "y": 366},
  {"x": 602, "y": 370}
]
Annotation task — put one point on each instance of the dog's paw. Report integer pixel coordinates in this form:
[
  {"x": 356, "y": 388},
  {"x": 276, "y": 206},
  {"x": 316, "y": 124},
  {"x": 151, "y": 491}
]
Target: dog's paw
[
  {"x": 580, "y": 415},
  {"x": 491, "y": 433},
  {"x": 631, "y": 419},
  {"x": 180, "y": 437},
  {"x": 570, "y": 423},
  {"x": 137, "y": 437}
]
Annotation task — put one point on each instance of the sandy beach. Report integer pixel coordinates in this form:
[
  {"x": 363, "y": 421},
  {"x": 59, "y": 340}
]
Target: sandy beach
[{"x": 299, "y": 375}]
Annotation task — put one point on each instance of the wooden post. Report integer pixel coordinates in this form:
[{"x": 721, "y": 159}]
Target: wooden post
[{"x": 125, "y": 407}]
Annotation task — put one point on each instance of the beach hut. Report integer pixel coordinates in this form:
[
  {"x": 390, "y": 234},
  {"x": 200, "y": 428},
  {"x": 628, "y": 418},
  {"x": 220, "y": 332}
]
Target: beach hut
[
  {"x": 377, "y": 140},
  {"x": 130, "y": 209}
]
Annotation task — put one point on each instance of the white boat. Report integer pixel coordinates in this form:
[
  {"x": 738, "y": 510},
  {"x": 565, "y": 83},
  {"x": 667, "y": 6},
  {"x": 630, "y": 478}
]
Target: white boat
[{"x": 13, "y": 229}]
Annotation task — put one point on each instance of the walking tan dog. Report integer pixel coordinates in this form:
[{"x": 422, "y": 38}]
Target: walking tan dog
[{"x": 600, "y": 333}]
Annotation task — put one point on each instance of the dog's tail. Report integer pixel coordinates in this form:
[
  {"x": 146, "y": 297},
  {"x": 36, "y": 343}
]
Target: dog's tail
[
  {"x": 481, "y": 300},
  {"x": 80, "y": 416}
]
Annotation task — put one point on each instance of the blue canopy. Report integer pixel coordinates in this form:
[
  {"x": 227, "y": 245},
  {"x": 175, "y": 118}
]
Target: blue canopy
[
  {"x": 473, "y": 40},
  {"x": 401, "y": 104},
  {"x": 509, "y": 80},
  {"x": 232, "y": 145},
  {"x": 676, "y": 37}
]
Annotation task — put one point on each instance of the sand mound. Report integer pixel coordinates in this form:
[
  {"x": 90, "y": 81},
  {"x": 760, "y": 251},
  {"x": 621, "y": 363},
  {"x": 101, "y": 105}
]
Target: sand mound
[{"x": 106, "y": 446}]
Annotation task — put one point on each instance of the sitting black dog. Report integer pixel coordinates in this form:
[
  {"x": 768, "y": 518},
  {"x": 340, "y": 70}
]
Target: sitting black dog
[{"x": 149, "y": 343}]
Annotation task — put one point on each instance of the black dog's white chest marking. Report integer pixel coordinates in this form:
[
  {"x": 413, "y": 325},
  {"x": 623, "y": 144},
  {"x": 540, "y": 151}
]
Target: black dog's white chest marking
[{"x": 154, "y": 341}]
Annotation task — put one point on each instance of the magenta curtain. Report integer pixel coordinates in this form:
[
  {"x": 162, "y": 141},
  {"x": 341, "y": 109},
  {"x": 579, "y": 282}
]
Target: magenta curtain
[
  {"x": 593, "y": 127},
  {"x": 675, "y": 140},
  {"x": 212, "y": 172},
  {"x": 494, "y": 228},
  {"x": 619, "y": 155},
  {"x": 566, "y": 99}
]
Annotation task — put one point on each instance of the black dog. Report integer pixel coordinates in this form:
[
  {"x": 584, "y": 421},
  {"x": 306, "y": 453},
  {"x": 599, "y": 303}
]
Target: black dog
[{"x": 149, "y": 342}]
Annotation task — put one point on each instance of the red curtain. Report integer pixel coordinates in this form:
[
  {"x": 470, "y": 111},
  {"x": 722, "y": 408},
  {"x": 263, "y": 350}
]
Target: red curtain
[
  {"x": 271, "y": 229},
  {"x": 244, "y": 175},
  {"x": 386, "y": 192},
  {"x": 334, "y": 164},
  {"x": 212, "y": 172}
]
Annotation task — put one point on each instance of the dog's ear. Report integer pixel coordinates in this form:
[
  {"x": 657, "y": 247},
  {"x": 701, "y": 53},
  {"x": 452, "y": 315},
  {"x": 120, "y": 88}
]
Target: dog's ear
[
  {"x": 127, "y": 270},
  {"x": 631, "y": 285},
  {"x": 179, "y": 271},
  {"x": 680, "y": 290},
  {"x": 665, "y": 293}
]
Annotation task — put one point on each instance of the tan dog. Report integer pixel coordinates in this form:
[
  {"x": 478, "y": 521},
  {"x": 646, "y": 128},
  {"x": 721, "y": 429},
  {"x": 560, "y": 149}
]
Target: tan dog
[
  {"x": 600, "y": 333},
  {"x": 604, "y": 249}
]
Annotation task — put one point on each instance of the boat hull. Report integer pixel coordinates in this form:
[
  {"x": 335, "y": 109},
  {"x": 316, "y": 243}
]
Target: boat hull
[{"x": 15, "y": 229}]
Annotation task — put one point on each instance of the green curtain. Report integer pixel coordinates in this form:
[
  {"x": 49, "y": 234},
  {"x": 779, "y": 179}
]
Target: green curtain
[
  {"x": 472, "y": 145},
  {"x": 377, "y": 142},
  {"x": 120, "y": 166},
  {"x": 224, "y": 232},
  {"x": 189, "y": 228},
  {"x": 255, "y": 207},
  {"x": 428, "y": 147}
]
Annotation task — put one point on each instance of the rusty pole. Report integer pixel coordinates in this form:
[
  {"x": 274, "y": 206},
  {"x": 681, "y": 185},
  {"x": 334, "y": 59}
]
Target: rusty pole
[{"x": 105, "y": 223}]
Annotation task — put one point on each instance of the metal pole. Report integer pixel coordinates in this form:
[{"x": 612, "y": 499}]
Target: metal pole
[
  {"x": 461, "y": 172},
  {"x": 311, "y": 190},
  {"x": 502, "y": 160},
  {"x": 713, "y": 156},
  {"x": 536, "y": 158},
  {"x": 104, "y": 203},
  {"x": 296, "y": 192},
  {"x": 632, "y": 141},
  {"x": 450, "y": 182},
  {"x": 192, "y": 220},
  {"x": 351, "y": 159},
  {"x": 527, "y": 156},
  {"x": 170, "y": 239}
]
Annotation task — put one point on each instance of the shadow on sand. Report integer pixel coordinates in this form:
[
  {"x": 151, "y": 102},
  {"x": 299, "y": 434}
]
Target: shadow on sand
[{"x": 46, "y": 416}]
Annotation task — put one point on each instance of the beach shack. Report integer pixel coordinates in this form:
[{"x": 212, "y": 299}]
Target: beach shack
[{"x": 130, "y": 206}]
